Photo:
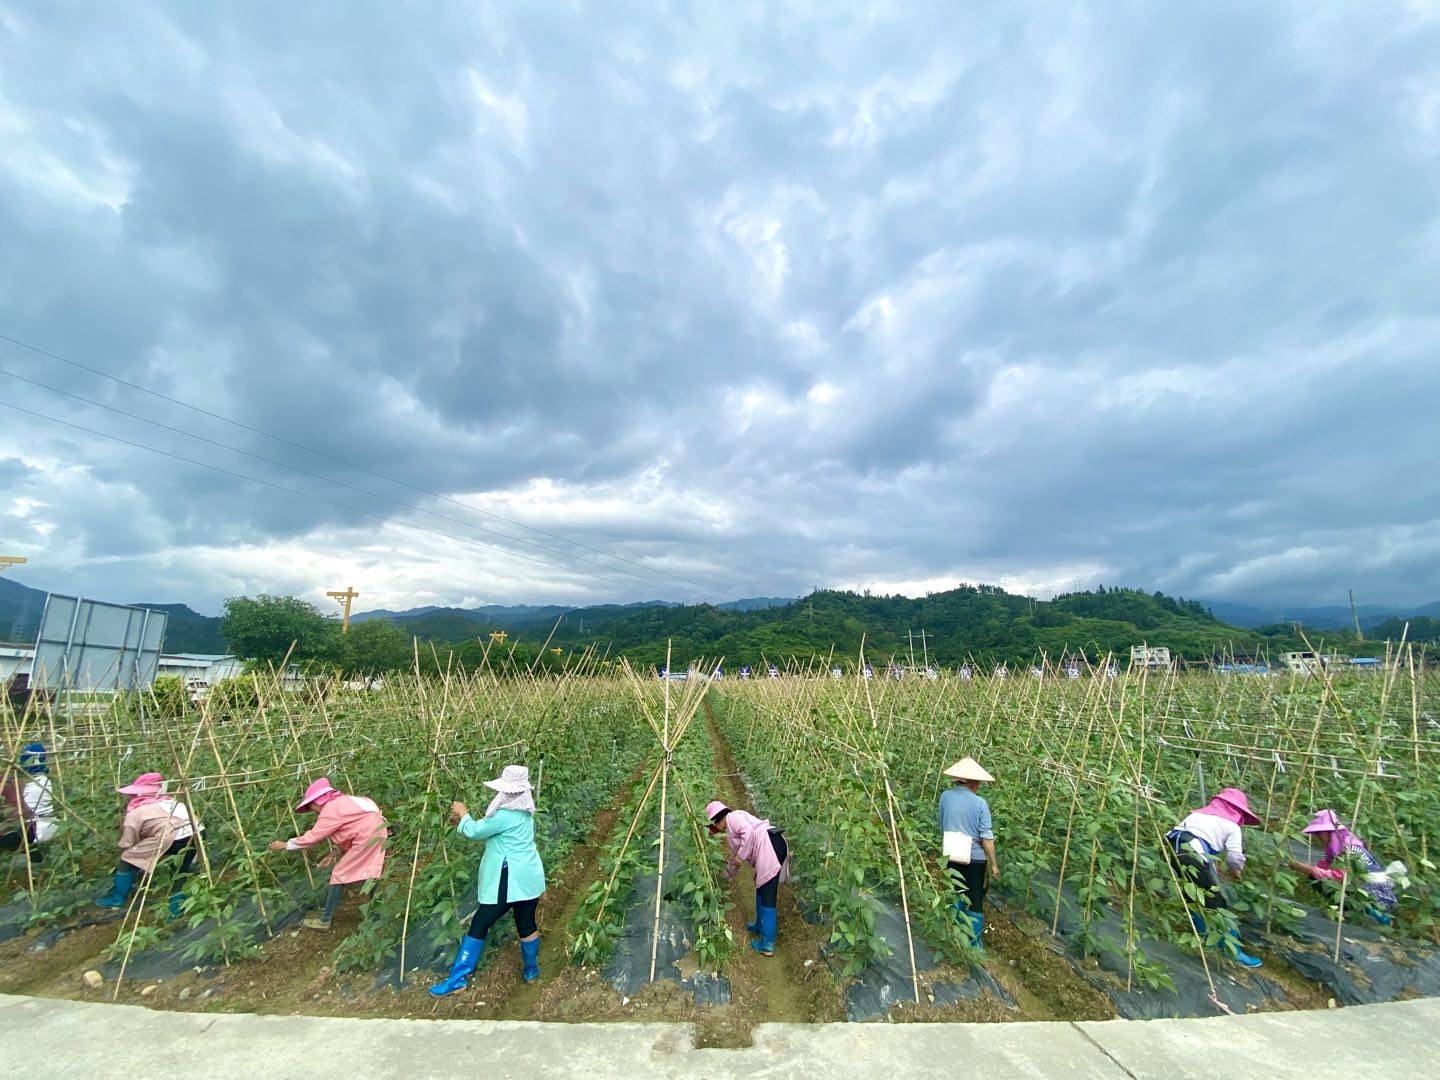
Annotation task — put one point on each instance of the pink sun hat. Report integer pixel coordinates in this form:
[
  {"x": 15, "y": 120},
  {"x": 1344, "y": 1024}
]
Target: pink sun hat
[
  {"x": 147, "y": 783},
  {"x": 1323, "y": 822},
  {"x": 316, "y": 789},
  {"x": 1234, "y": 801},
  {"x": 714, "y": 807}
]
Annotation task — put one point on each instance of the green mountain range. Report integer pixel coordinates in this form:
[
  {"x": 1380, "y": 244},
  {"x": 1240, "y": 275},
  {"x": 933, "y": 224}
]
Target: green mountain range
[{"x": 982, "y": 623}]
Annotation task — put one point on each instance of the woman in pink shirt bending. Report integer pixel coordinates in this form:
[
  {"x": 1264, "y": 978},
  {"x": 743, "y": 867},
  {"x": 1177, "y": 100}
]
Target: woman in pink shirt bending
[
  {"x": 755, "y": 841},
  {"x": 356, "y": 830}
]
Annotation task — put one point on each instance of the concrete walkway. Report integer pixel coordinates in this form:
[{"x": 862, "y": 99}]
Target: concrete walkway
[{"x": 44, "y": 1038}]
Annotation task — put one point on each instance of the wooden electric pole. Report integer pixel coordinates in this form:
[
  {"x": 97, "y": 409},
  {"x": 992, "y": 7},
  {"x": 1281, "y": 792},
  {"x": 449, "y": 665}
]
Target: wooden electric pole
[
  {"x": 345, "y": 598},
  {"x": 1355, "y": 615}
]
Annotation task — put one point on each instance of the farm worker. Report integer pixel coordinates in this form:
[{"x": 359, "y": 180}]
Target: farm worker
[
  {"x": 353, "y": 825},
  {"x": 968, "y": 839},
  {"x": 28, "y": 807},
  {"x": 1344, "y": 845},
  {"x": 1198, "y": 840},
  {"x": 512, "y": 877},
  {"x": 156, "y": 826},
  {"x": 758, "y": 843}
]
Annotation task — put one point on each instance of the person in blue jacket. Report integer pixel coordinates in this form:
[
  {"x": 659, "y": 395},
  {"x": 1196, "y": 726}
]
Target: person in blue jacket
[{"x": 512, "y": 877}]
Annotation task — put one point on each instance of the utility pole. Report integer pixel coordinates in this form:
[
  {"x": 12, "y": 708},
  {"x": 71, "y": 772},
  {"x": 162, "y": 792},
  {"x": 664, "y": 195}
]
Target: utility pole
[
  {"x": 911, "y": 637},
  {"x": 344, "y": 599},
  {"x": 7, "y": 561},
  {"x": 1355, "y": 616}
]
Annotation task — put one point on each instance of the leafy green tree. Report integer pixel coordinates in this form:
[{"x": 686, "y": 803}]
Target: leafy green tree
[
  {"x": 262, "y": 629},
  {"x": 374, "y": 648}
]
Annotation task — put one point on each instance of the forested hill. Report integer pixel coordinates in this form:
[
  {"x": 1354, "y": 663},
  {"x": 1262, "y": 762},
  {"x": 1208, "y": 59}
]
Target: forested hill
[{"x": 982, "y": 622}]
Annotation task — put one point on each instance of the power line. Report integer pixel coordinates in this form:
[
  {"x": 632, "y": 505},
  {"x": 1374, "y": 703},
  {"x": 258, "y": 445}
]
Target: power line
[
  {"x": 308, "y": 495},
  {"x": 328, "y": 480},
  {"x": 351, "y": 465}
]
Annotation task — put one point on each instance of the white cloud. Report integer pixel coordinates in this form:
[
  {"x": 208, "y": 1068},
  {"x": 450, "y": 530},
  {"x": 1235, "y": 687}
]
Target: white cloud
[{"x": 1038, "y": 297}]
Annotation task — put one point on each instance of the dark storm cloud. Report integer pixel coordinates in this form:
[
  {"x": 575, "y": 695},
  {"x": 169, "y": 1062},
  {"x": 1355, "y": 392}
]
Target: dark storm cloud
[{"x": 762, "y": 298}]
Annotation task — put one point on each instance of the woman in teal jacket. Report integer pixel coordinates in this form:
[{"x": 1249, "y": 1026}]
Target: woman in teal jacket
[{"x": 512, "y": 878}]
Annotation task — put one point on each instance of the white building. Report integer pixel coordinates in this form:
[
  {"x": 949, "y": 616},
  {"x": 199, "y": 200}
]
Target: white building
[
  {"x": 1149, "y": 656},
  {"x": 201, "y": 669},
  {"x": 15, "y": 660},
  {"x": 1303, "y": 663}
]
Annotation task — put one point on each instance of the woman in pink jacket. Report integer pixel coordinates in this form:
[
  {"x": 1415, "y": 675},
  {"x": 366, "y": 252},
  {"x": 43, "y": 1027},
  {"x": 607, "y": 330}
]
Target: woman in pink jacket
[
  {"x": 156, "y": 826},
  {"x": 355, "y": 827},
  {"x": 756, "y": 842}
]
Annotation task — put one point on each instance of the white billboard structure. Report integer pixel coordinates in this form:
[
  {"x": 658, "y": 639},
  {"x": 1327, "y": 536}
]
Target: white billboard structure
[{"x": 91, "y": 645}]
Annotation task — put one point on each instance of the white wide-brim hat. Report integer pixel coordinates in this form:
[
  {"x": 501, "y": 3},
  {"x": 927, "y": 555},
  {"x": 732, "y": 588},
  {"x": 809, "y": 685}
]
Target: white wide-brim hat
[
  {"x": 512, "y": 780},
  {"x": 967, "y": 768}
]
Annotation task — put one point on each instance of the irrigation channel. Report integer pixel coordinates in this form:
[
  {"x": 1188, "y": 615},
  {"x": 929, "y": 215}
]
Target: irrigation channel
[{"x": 1087, "y": 919}]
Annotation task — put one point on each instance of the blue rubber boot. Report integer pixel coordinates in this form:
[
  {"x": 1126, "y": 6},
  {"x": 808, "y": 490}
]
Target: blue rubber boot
[
  {"x": 977, "y": 927},
  {"x": 1378, "y": 915},
  {"x": 462, "y": 968},
  {"x": 753, "y": 928},
  {"x": 530, "y": 954},
  {"x": 177, "y": 901},
  {"x": 1231, "y": 943},
  {"x": 120, "y": 890},
  {"x": 764, "y": 944},
  {"x": 1199, "y": 923}
]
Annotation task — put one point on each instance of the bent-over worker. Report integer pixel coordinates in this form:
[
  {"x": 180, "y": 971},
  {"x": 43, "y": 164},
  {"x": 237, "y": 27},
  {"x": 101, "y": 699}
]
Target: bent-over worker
[
  {"x": 156, "y": 826},
  {"x": 1343, "y": 846},
  {"x": 355, "y": 828},
  {"x": 511, "y": 878},
  {"x": 1198, "y": 841},
  {"x": 755, "y": 841},
  {"x": 28, "y": 811}
]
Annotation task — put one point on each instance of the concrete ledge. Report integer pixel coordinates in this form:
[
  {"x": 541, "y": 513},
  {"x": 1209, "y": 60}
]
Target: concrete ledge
[{"x": 44, "y": 1037}]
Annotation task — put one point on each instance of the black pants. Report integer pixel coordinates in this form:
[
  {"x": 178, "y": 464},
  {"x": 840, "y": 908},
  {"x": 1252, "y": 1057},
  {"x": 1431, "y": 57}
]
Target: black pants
[
  {"x": 487, "y": 915},
  {"x": 768, "y": 895},
  {"x": 970, "y": 882},
  {"x": 1196, "y": 868},
  {"x": 187, "y": 861},
  {"x": 13, "y": 841}
]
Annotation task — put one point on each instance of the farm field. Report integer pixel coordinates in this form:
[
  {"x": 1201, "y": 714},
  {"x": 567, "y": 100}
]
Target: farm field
[{"x": 1087, "y": 919}]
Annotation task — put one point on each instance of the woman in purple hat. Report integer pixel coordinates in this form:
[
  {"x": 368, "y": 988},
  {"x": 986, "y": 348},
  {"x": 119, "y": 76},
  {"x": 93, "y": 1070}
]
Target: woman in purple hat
[
  {"x": 1197, "y": 842},
  {"x": 1344, "y": 847}
]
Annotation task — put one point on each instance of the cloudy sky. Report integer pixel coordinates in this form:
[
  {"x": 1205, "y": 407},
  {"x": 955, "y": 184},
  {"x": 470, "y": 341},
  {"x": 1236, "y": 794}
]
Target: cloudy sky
[{"x": 1035, "y": 295}]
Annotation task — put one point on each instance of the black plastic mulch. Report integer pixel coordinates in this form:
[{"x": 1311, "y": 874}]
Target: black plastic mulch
[
  {"x": 887, "y": 982},
  {"x": 1239, "y": 989},
  {"x": 188, "y": 946},
  {"x": 1374, "y": 966}
]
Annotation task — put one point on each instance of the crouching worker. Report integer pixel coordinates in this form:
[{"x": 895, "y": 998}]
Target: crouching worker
[
  {"x": 157, "y": 826},
  {"x": 27, "y": 816},
  {"x": 512, "y": 877},
  {"x": 1343, "y": 846},
  {"x": 356, "y": 830},
  {"x": 968, "y": 842},
  {"x": 755, "y": 841},
  {"x": 1196, "y": 843}
]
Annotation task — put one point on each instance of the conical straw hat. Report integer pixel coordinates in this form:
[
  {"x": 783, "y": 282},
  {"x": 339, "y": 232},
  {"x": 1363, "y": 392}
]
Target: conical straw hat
[{"x": 967, "y": 768}]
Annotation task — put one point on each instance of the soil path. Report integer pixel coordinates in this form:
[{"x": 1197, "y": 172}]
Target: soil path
[{"x": 795, "y": 985}]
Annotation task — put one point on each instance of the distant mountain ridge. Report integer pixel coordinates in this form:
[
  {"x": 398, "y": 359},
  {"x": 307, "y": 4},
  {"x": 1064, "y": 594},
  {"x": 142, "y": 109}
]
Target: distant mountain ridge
[
  {"x": 1328, "y": 617},
  {"x": 979, "y": 621}
]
